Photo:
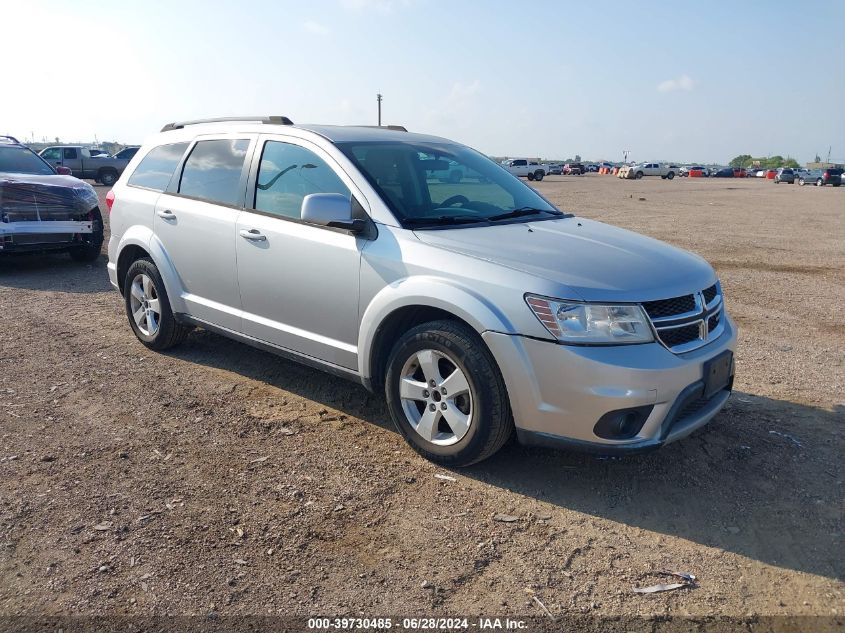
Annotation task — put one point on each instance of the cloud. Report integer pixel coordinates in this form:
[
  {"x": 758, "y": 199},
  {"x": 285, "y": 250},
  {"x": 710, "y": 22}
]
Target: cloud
[
  {"x": 684, "y": 82},
  {"x": 316, "y": 28}
]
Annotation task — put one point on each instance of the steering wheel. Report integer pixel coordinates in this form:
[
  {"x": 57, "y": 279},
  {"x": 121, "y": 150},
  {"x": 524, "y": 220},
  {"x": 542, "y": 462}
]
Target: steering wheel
[{"x": 448, "y": 202}]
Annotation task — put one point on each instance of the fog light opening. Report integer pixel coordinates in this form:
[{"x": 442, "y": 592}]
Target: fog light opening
[{"x": 622, "y": 424}]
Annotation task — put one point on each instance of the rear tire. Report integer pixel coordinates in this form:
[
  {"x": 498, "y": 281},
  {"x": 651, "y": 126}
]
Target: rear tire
[
  {"x": 148, "y": 307},
  {"x": 92, "y": 243},
  {"x": 530, "y": 176},
  {"x": 819, "y": 183},
  {"x": 453, "y": 427},
  {"x": 801, "y": 181},
  {"x": 108, "y": 177}
]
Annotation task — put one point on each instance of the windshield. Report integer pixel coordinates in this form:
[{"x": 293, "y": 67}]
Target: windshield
[
  {"x": 19, "y": 160},
  {"x": 432, "y": 184}
]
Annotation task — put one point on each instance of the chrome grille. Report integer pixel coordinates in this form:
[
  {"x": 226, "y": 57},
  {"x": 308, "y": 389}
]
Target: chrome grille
[{"x": 687, "y": 322}]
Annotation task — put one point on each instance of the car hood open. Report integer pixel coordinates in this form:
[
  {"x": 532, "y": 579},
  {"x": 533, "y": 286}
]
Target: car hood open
[{"x": 595, "y": 261}]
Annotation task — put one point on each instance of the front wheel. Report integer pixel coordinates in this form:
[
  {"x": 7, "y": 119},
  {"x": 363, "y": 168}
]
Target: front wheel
[
  {"x": 91, "y": 243},
  {"x": 639, "y": 175},
  {"x": 148, "y": 307},
  {"x": 446, "y": 395},
  {"x": 538, "y": 175},
  {"x": 670, "y": 175},
  {"x": 801, "y": 181}
]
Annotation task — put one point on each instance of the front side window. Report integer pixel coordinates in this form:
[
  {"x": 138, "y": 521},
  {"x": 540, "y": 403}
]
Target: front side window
[
  {"x": 444, "y": 184},
  {"x": 157, "y": 167},
  {"x": 287, "y": 174},
  {"x": 52, "y": 153},
  {"x": 213, "y": 171}
]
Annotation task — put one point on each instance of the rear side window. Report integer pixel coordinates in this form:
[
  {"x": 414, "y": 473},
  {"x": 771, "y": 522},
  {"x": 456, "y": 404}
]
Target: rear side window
[
  {"x": 69, "y": 153},
  {"x": 287, "y": 174},
  {"x": 157, "y": 167},
  {"x": 213, "y": 171}
]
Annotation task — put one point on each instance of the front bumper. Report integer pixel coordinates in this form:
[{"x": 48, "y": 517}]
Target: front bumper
[
  {"x": 38, "y": 235},
  {"x": 559, "y": 392}
]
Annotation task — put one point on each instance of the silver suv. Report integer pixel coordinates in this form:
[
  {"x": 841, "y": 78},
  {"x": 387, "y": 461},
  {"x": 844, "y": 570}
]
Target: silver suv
[{"x": 476, "y": 305}]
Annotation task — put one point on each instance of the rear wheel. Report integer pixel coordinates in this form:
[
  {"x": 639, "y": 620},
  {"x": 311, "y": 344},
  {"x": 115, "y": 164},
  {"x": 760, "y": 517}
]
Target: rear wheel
[
  {"x": 148, "y": 307},
  {"x": 108, "y": 177},
  {"x": 530, "y": 176},
  {"x": 91, "y": 243},
  {"x": 819, "y": 183},
  {"x": 446, "y": 395},
  {"x": 801, "y": 181}
]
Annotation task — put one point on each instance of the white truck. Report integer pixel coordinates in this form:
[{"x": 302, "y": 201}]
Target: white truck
[
  {"x": 525, "y": 168},
  {"x": 664, "y": 170}
]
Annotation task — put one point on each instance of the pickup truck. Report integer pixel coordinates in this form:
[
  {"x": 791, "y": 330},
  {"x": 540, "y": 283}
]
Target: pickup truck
[
  {"x": 639, "y": 170},
  {"x": 102, "y": 169},
  {"x": 525, "y": 168}
]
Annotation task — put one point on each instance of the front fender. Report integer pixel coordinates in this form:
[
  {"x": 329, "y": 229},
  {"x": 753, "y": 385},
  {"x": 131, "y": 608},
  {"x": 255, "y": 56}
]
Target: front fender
[{"x": 428, "y": 291}]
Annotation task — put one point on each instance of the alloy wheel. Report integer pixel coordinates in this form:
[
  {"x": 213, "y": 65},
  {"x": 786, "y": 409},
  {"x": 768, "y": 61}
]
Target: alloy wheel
[
  {"x": 436, "y": 397},
  {"x": 144, "y": 304}
]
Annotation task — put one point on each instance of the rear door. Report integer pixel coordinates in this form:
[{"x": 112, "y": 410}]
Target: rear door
[
  {"x": 195, "y": 222},
  {"x": 298, "y": 281}
]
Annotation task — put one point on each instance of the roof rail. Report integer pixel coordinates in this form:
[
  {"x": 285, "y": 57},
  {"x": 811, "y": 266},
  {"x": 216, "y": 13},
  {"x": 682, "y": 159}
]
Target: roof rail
[
  {"x": 274, "y": 120},
  {"x": 395, "y": 128},
  {"x": 10, "y": 138}
]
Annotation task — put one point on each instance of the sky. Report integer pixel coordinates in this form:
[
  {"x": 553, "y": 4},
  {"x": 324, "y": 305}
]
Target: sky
[{"x": 679, "y": 81}]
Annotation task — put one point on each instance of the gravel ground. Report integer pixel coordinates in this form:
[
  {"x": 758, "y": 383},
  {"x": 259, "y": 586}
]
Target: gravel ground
[{"x": 220, "y": 479}]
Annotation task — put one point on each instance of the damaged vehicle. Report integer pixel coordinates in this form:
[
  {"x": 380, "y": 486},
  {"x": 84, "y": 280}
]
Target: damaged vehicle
[{"x": 45, "y": 209}]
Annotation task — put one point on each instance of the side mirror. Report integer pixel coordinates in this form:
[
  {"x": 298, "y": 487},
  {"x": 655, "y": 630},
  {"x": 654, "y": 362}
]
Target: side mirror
[
  {"x": 331, "y": 209},
  {"x": 63, "y": 171}
]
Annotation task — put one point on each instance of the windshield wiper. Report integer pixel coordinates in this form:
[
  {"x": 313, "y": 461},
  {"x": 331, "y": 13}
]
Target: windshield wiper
[
  {"x": 522, "y": 212},
  {"x": 442, "y": 220}
]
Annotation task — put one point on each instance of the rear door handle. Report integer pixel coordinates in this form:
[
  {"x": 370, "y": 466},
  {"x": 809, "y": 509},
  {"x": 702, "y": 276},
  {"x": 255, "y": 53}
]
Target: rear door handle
[
  {"x": 166, "y": 214},
  {"x": 253, "y": 235}
]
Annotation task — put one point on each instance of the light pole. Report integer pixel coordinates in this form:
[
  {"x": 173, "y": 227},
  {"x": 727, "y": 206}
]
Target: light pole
[{"x": 378, "y": 98}]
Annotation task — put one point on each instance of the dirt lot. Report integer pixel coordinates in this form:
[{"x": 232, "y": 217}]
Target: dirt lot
[{"x": 220, "y": 479}]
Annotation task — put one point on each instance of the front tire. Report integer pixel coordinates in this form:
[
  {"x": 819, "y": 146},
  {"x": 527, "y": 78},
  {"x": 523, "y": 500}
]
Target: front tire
[
  {"x": 801, "y": 181},
  {"x": 148, "y": 307},
  {"x": 670, "y": 175},
  {"x": 446, "y": 395},
  {"x": 92, "y": 243},
  {"x": 639, "y": 175},
  {"x": 538, "y": 175}
]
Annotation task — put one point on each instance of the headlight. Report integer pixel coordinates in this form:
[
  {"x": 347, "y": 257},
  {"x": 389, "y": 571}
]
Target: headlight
[{"x": 591, "y": 323}]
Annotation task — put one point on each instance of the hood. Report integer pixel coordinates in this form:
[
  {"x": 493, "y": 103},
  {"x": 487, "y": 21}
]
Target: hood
[
  {"x": 27, "y": 197},
  {"x": 595, "y": 261}
]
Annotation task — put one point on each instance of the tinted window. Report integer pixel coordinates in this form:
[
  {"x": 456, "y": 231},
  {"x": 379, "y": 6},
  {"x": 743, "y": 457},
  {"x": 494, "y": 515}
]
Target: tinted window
[
  {"x": 19, "y": 160},
  {"x": 70, "y": 152},
  {"x": 213, "y": 170},
  {"x": 52, "y": 153},
  {"x": 127, "y": 153},
  {"x": 519, "y": 163},
  {"x": 287, "y": 174},
  {"x": 157, "y": 167}
]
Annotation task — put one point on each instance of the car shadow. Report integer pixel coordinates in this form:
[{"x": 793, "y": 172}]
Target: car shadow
[
  {"x": 762, "y": 480},
  {"x": 54, "y": 271}
]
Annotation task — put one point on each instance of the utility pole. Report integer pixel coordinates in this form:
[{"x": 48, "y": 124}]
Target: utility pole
[
  {"x": 378, "y": 98},
  {"x": 625, "y": 153}
]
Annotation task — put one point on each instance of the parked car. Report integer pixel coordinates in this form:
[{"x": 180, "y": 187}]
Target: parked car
[
  {"x": 525, "y": 168},
  {"x": 556, "y": 170},
  {"x": 591, "y": 168},
  {"x": 649, "y": 169},
  {"x": 830, "y": 176},
  {"x": 43, "y": 208},
  {"x": 127, "y": 153},
  {"x": 574, "y": 169},
  {"x": 328, "y": 245},
  {"x": 724, "y": 172},
  {"x": 808, "y": 176},
  {"x": 785, "y": 174},
  {"x": 761, "y": 173},
  {"x": 78, "y": 159}
]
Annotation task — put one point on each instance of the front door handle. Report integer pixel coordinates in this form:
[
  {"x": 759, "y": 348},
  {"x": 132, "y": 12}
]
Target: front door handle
[
  {"x": 253, "y": 235},
  {"x": 166, "y": 214}
]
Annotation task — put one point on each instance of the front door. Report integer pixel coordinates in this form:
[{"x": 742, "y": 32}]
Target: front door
[{"x": 298, "y": 281}]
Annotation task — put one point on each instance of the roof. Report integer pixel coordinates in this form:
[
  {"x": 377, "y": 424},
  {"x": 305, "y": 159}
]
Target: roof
[{"x": 362, "y": 133}]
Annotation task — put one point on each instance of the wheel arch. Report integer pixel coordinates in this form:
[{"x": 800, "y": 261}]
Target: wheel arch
[
  {"x": 391, "y": 313},
  {"x": 140, "y": 241}
]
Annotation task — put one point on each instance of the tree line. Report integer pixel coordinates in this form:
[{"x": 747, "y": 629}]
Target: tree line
[{"x": 767, "y": 162}]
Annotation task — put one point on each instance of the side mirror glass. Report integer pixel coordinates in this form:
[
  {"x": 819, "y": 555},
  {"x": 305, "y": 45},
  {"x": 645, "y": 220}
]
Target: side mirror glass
[{"x": 331, "y": 209}]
